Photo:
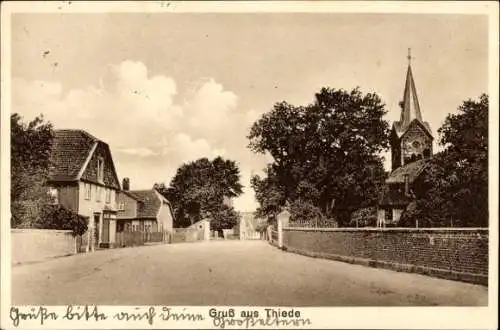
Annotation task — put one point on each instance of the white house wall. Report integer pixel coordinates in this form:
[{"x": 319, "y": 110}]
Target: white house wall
[
  {"x": 91, "y": 206},
  {"x": 165, "y": 218},
  {"x": 88, "y": 207}
]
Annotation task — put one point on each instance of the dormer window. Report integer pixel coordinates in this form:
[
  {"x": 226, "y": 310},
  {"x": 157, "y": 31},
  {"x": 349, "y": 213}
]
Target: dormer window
[{"x": 100, "y": 169}]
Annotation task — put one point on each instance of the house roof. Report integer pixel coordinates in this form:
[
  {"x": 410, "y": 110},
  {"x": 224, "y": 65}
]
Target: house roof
[
  {"x": 149, "y": 202},
  {"x": 129, "y": 194},
  {"x": 413, "y": 170},
  {"x": 70, "y": 150}
]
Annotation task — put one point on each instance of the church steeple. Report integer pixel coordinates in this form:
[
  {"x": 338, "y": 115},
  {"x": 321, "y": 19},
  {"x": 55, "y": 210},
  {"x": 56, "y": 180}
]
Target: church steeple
[
  {"x": 411, "y": 107},
  {"x": 411, "y": 137}
]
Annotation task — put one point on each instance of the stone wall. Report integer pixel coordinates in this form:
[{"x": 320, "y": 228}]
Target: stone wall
[
  {"x": 453, "y": 253},
  {"x": 199, "y": 231},
  {"x": 31, "y": 245}
]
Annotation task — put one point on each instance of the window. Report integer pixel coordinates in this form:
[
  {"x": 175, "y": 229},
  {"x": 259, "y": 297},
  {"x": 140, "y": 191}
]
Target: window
[
  {"x": 108, "y": 195},
  {"x": 98, "y": 191},
  {"x": 88, "y": 191},
  {"x": 100, "y": 169},
  {"x": 121, "y": 206},
  {"x": 388, "y": 215},
  {"x": 53, "y": 193}
]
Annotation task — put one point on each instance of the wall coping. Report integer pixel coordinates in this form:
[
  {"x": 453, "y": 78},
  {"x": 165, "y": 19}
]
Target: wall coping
[
  {"x": 476, "y": 278},
  {"x": 392, "y": 229},
  {"x": 38, "y": 231}
]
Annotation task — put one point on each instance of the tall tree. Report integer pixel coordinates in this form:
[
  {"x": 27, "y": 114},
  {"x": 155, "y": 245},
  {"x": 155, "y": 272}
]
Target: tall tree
[
  {"x": 325, "y": 153},
  {"x": 454, "y": 189},
  {"x": 198, "y": 189},
  {"x": 269, "y": 193},
  {"x": 30, "y": 164}
]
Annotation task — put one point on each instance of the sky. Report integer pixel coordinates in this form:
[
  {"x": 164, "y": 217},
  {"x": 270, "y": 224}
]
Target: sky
[{"x": 166, "y": 88}]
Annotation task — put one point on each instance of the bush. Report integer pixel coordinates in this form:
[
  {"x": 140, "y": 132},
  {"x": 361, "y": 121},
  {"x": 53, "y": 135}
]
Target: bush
[
  {"x": 303, "y": 211},
  {"x": 261, "y": 227},
  {"x": 58, "y": 217},
  {"x": 364, "y": 217}
]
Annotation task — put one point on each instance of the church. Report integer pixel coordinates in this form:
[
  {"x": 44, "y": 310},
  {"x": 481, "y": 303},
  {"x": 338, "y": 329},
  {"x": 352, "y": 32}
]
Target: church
[{"x": 411, "y": 145}]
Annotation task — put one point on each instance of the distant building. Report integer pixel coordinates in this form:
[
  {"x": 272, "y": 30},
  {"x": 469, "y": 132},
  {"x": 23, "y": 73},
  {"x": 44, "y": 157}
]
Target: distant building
[
  {"x": 143, "y": 210},
  {"x": 248, "y": 226},
  {"x": 83, "y": 179},
  {"x": 411, "y": 147}
]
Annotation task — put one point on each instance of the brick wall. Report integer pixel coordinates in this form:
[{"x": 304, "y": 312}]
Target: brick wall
[
  {"x": 460, "y": 254},
  {"x": 30, "y": 245}
]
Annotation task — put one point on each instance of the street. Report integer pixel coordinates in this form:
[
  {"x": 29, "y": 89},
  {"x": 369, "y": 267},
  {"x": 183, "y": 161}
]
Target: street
[{"x": 227, "y": 273}]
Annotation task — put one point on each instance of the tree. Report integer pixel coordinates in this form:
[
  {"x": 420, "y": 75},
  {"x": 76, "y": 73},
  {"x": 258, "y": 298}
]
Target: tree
[
  {"x": 454, "y": 187},
  {"x": 198, "y": 189},
  {"x": 269, "y": 193},
  {"x": 30, "y": 164},
  {"x": 325, "y": 153},
  {"x": 223, "y": 217},
  {"x": 58, "y": 217}
]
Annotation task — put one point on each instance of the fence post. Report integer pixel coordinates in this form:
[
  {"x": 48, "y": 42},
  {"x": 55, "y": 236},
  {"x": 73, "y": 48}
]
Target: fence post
[
  {"x": 283, "y": 220},
  {"x": 280, "y": 233}
]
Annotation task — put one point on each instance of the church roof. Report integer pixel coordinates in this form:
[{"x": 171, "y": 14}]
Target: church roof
[
  {"x": 412, "y": 170},
  {"x": 402, "y": 129},
  {"x": 410, "y": 107},
  {"x": 394, "y": 194}
]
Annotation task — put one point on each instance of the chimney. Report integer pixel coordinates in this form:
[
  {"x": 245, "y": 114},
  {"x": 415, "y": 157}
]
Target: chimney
[
  {"x": 407, "y": 185},
  {"x": 126, "y": 184}
]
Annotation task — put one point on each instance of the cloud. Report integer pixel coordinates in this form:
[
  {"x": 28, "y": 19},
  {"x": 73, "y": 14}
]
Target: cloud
[
  {"x": 140, "y": 152},
  {"x": 152, "y": 96},
  {"x": 208, "y": 107},
  {"x": 150, "y": 132},
  {"x": 184, "y": 148}
]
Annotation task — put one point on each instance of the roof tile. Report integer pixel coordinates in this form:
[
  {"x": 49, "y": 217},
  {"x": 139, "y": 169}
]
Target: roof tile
[
  {"x": 413, "y": 170},
  {"x": 149, "y": 203},
  {"x": 70, "y": 149}
]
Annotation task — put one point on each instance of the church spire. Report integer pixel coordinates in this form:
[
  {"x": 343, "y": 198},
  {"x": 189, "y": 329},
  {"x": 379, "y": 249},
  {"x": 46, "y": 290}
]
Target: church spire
[{"x": 411, "y": 108}]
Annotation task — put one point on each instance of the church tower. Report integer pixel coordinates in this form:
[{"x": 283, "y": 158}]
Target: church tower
[{"x": 411, "y": 137}]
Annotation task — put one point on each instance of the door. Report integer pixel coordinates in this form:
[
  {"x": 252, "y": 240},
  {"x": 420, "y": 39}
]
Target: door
[
  {"x": 105, "y": 230},
  {"x": 95, "y": 238}
]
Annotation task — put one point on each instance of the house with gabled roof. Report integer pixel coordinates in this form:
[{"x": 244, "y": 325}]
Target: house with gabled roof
[
  {"x": 143, "y": 210},
  {"x": 83, "y": 178}
]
